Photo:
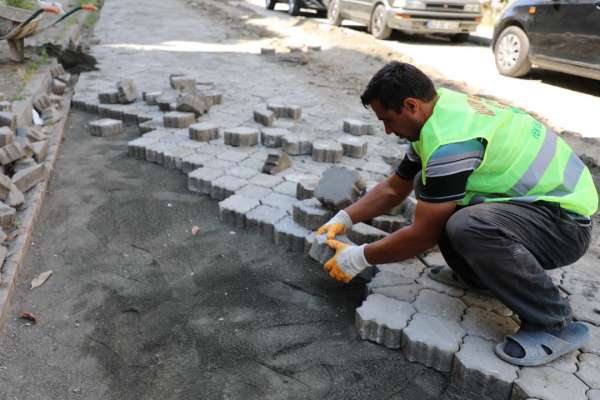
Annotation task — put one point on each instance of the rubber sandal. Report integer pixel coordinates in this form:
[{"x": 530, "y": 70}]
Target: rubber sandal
[
  {"x": 448, "y": 277},
  {"x": 537, "y": 345}
]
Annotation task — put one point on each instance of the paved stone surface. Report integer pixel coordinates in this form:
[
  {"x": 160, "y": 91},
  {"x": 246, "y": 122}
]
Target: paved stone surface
[
  {"x": 439, "y": 305},
  {"x": 264, "y": 116},
  {"x": 241, "y": 136},
  {"x": 362, "y": 233},
  {"x": 390, "y": 223},
  {"x": 310, "y": 214},
  {"x": 273, "y": 137},
  {"x": 276, "y": 163},
  {"x": 280, "y": 201},
  {"x": 201, "y": 179},
  {"x": 339, "y": 187},
  {"x": 243, "y": 172},
  {"x": 297, "y": 145},
  {"x": 290, "y": 235},
  {"x": 358, "y": 127},
  {"x": 105, "y": 127},
  {"x": 381, "y": 320},
  {"x": 233, "y": 210},
  {"x": 589, "y": 370},
  {"x": 225, "y": 186},
  {"x": 477, "y": 373},
  {"x": 327, "y": 151},
  {"x": 429, "y": 283},
  {"x": 548, "y": 384},
  {"x": 254, "y": 191},
  {"x": 432, "y": 341},
  {"x": 195, "y": 161},
  {"x": 263, "y": 218},
  {"x": 109, "y": 97},
  {"x": 288, "y": 188},
  {"x": 137, "y": 147},
  {"x": 305, "y": 188},
  {"x": 173, "y": 158},
  {"x": 593, "y": 346},
  {"x": 183, "y": 83},
  {"x": 178, "y": 119},
  {"x": 412, "y": 268},
  {"x": 268, "y": 181},
  {"x": 488, "y": 325},
  {"x": 585, "y": 309},
  {"x": 354, "y": 147}
]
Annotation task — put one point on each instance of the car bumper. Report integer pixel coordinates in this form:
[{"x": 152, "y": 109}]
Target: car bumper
[{"x": 427, "y": 22}]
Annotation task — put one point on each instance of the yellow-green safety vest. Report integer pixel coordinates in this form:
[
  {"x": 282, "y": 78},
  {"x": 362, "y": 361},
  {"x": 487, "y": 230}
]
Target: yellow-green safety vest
[{"x": 523, "y": 160}]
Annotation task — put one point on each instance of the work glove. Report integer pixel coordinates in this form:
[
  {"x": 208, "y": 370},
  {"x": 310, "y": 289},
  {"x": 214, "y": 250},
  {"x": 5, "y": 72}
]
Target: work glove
[
  {"x": 348, "y": 261},
  {"x": 338, "y": 225}
]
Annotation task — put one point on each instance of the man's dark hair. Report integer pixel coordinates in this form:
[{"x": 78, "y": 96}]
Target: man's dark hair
[{"x": 395, "y": 82}]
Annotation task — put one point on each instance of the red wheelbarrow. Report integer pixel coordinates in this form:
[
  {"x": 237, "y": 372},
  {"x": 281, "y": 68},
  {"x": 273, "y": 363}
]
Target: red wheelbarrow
[{"x": 16, "y": 24}]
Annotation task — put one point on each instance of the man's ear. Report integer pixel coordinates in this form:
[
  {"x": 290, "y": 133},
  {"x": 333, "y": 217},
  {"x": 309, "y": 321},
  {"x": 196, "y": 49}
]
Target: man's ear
[{"x": 411, "y": 104}]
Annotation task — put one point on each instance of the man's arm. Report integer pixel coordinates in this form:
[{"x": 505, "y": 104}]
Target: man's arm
[
  {"x": 382, "y": 198},
  {"x": 430, "y": 220}
]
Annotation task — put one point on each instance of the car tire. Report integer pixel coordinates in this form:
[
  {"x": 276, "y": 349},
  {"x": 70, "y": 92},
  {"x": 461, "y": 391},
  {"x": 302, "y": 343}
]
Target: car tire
[
  {"x": 459, "y": 38},
  {"x": 511, "y": 52},
  {"x": 378, "y": 26},
  {"x": 270, "y": 4},
  {"x": 334, "y": 14},
  {"x": 294, "y": 8}
]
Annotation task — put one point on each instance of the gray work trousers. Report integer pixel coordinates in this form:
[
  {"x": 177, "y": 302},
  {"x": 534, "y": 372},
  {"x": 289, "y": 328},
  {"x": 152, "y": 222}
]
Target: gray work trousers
[{"x": 507, "y": 247}]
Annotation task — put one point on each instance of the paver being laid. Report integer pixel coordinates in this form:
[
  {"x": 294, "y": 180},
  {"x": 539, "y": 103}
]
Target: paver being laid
[
  {"x": 339, "y": 187},
  {"x": 320, "y": 250},
  {"x": 106, "y": 127},
  {"x": 263, "y": 218},
  {"x": 327, "y": 151},
  {"x": 233, "y": 210},
  {"x": 241, "y": 136}
]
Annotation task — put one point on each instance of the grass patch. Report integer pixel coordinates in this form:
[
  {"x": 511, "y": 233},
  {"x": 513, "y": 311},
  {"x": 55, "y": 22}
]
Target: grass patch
[{"x": 26, "y": 4}]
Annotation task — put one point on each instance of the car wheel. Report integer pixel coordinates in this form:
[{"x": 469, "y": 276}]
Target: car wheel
[
  {"x": 459, "y": 38},
  {"x": 294, "y": 9},
  {"x": 334, "y": 14},
  {"x": 379, "y": 27},
  {"x": 270, "y": 4},
  {"x": 512, "y": 52}
]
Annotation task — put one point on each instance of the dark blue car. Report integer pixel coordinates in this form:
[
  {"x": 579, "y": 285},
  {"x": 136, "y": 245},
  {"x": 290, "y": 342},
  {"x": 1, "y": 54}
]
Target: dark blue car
[{"x": 296, "y": 5}]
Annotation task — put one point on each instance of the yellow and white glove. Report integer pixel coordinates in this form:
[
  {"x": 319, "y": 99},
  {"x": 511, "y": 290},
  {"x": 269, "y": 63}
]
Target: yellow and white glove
[
  {"x": 347, "y": 262},
  {"x": 338, "y": 225}
]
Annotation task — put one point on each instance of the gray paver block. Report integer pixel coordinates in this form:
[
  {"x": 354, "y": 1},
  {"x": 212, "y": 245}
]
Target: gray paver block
[
  {"x": 137, "y": 147},
  {"x": 183, "y": 83},
  {"x": 254, "y": 191},
  {"x": 40, "y": 150},
  {"x": 11, "y": 153},
  {"x": 150, "y": 98},
  {"x": 411, "y": 268},
  {"x": 339, "y": 187},
  {"x": 403, "y": 293},
  {"x": 305, "y": 188},
  {"x": 201, "y": 179},
  {"x": 310, "y": 214},
  {"x": 429, "y": 283},
  {"x": 35, "y": 133},
  {"x": 167, "y": 101},
  {"x": 267, "y": 51},
  {"x": 24, "y": 163},
  {"x": 233, "y": 210},
  {"x": 381, "y": 320},
  {"x": 5, "y": 187},
  {"x": 105, "y": 127},
  {"x": 273, "y": 137},
  {"x": 241, "y": 136},
  {"x": 593, "y": 394},
  {"x": 548, "y": 384},
  {"x": 6, "y": 136},
  {"x": 390, "y": 223},
  {"x": 7, "y": 216},
  {"x": 432, "y": 341},
  {"x": 487, "y": 303},
  {"x": 296, "y": 145},
  {"x": 268, "y": 181},
  {"x": 593, "y": 346},
  {"x": 173, "y": 158},
  {"x": 433, "y": 259},
  {"x": 234, "y": 156},
  {"x": 263, "y": 218},
  {"x": 264, "y": 116},
  {"x": 178, "y": 119},
  {"x": 110, "y": 97},
  {"x": 195, "y": 161},
  {"x": 155, "y": 152},
  {"x": 58, "y": 87},
  {"x": 354, "y": 147},
  {"x": 128, "y": 92},
  {"x": 439, "y": 305},
  {"x": 585, "y": 309},
  {"x": 320, "y": 251},
  {"x": 589, "y": 370},
  {"x": 191, "y": 103},
  {"x": 479, "y": 374},
  {"x": 204, "y": 131},
  {"x": 280, "y": 201},
  {"x": 225, "y": 186},
  {"x": 15, "y": 198},
  {"x": 243, "y": 172},
  {"x": 488, "y": 325},
  {"x": 327, "y": 151},
  {"x": 150, "y": 126},
  {"x": 285, "y": 111},
  {"x": 362, "y": 233},
  {"x": 357, "y": 127},
  {"x": 290, "y": 234},
  {"x": 287, "y": 188},
  {"x": 275, "y": 163}
]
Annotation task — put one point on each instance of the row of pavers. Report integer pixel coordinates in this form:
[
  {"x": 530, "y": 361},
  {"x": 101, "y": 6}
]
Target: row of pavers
[{"x": 441, "y": 327}]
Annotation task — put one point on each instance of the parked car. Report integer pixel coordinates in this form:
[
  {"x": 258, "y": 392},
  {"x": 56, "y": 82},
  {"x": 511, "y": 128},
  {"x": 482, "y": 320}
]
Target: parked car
[
  {"x": 296, "y": 5},
  {"x": 559, "y": 35},
  {"x": 453, "y": 18}
]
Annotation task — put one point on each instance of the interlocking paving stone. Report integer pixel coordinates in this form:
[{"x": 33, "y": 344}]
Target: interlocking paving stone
[
  {"x": 390, "y": 223},
  {"x": 339, "y": 187},
  {"x": 354, "y": 147},
  {"x": 491, "y": 326},
  {"x": 362, "y": 233},
  {"x": 310, "y": 214},
  {"x": 296, "y": 145},
  {"x": 253, "y": 162},
  {"x": 320, "y": 251},
  {"x": 264, "y": 116},
  {"x": 280, "y": 201},
  {"x": 174, "y": 157},
  {"x": 566, "y": 363},
  {"x": 327, "y": 151},
  {"x": 5, "y": 186},
  {"x": 6, "y": 136},
  {"x": 167, "y": 101},
  {"x": 178, "y": 119},
  {"x": 105, "y": 127},
  {"x": 109, "y": 97},
  {"x": 127, "y": 91},
  {"x": 432, "y": 341},
  {"x": 273, "y": 137},
  {"x": 7, "y": 216},
  {"x": 243, "y": 172},
  {"x": 241, "y": 136},
  {"x": 429, "y": 283},
  {"x": 156, "y": 152},
  {"x": 150, "y": 98},
  {"x": 268, "y": 181},
  {"x": 287, "y": 188},
  {"x": 201, "y": 179},
  {"x": 305, "y": 188},
  {"x": 191, "y": 103},
  {"x": 593, "y": 346},
  {"x": 403, "y": 292},
  {"x": 226, "y": 186},
  {"x": 263, "y": 218},
  {"x": 285, "y": 111},
  {"x": 233, "y": 210},
  {"x": 487, "y": 303},
  {"x": 29, "y": 177},
  {"x": 35, "y": 133},
  {"x": 589, "y": 370},
  {"x": 183, "y": 83},
  {"x": 593, "y": 395},
  {"x": 15, "y": 198},
  {"x": 232, "y": 155},
  {"x": 254, "y": 191},
  {"x": 290, "y": 234},
  {"x": 195, "y": 161},
  {"x": 585, "y": 309},
  {"x": 381, "y": 320},
  {"x": 582, "y": 278},
  {"x": 411, "y": 268},
  {"x": 548, "y": 384},
  {"x": 479, "y": 374},
  {"x": 439, "y": 305},
  {"x": 137, "y": 147},
  {"x": 275, "y": 163},
  {"x": 357, "y": 127}
]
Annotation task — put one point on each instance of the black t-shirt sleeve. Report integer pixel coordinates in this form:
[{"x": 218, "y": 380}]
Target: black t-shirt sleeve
[{"x": 410, "y": 165}]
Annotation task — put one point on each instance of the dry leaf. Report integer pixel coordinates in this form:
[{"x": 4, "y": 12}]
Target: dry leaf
[
  {"x": 28, "y": 316},
  {"x": 40, "y": 279},
  {"x": 195, "y": 230}
]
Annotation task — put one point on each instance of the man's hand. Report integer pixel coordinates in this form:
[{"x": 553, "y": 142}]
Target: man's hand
[
  {"x": 347, "y": 262},
  {"x": 338, "y": 225}
]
